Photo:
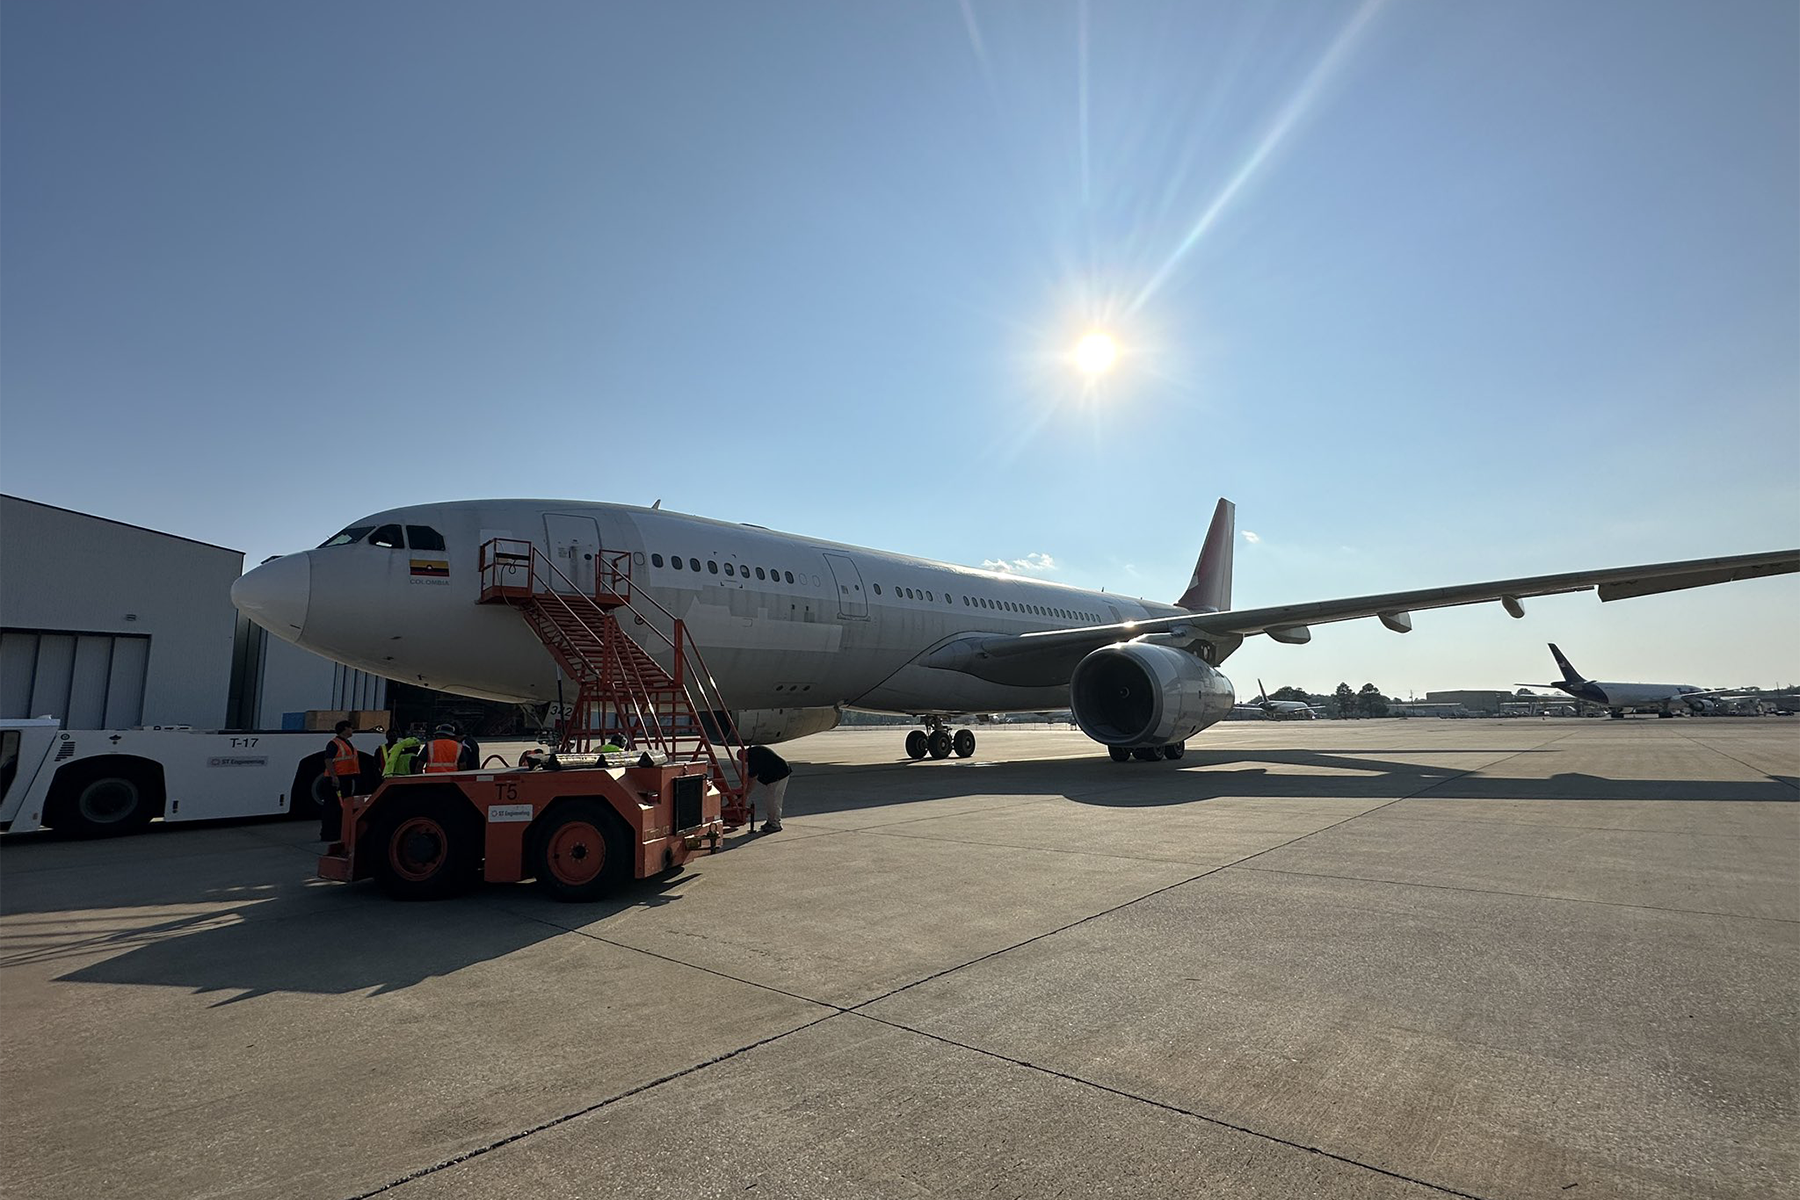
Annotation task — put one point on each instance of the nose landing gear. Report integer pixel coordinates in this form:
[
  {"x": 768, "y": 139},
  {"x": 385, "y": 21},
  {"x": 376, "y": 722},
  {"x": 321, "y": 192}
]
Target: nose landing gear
[{"x": 936, "y": 740}]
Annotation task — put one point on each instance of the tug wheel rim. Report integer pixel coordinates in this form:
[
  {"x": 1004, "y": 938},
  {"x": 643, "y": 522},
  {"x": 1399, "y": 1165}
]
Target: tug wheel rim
[
  {"x": 418, "y": 848},
  {"x": 576, "y": 853}
]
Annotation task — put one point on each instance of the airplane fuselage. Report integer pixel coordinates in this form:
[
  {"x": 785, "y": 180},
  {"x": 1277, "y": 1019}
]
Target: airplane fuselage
[
  {"x": 1661, "y": 696},
  {"x": 784, "y": 621}
]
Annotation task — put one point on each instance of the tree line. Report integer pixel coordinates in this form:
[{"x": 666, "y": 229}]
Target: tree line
[{"x": 1368, "y": 702}]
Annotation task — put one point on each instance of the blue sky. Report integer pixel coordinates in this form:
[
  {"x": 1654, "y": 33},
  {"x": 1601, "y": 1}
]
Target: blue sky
[{"x": 1436, "y": 292}]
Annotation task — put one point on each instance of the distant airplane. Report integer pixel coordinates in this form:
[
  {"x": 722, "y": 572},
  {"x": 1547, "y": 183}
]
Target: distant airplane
[
  {"x": 795, "y": 630},
  {"x": 1280, "y": 710},
  {"x": 1618, "y": 697}
]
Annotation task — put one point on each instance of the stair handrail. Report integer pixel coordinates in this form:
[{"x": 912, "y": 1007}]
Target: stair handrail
[{"x": 509, "y": 553}]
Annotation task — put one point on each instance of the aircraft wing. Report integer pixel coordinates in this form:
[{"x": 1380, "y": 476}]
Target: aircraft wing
[{"x": 1046, "y": 658}]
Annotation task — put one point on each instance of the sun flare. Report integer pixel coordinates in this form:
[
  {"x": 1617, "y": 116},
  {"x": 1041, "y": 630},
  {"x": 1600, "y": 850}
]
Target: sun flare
[{"x": 1096, "y": 353}]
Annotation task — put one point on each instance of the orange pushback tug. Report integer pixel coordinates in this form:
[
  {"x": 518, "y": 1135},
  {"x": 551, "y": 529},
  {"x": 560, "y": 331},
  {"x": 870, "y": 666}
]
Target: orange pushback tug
[{"x": 580, "y": 824}]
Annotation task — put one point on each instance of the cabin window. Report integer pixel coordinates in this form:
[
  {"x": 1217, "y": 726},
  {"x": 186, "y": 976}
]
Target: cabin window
[
  {"x": 388, "y": 538},
  {"x": 675, "y": 562},
  {"x": 656, "y": 560},
  {"x": 759, "y": 572},
  {"x": 930, "y": 597},
  {"x": 693, "y": 564},
  {"x": 355, "y": 533},
  {"x": 877, "y": 588},
  {"x": 730, "y": 570},
  {"x": 790, "y": 576},
  {"x": 712, "y": 565},
  {"x": 424, "y": 537}
]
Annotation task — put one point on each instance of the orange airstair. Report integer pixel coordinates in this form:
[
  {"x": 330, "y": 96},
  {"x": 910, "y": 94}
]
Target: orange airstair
[{"x": 624, "y": 691}]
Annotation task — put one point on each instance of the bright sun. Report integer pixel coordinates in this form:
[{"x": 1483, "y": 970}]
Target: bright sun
[{"x": 1096, "y": 353}]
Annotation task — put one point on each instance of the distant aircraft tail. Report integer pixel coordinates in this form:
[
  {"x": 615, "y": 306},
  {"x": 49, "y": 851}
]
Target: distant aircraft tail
[
  {"x": 1210, "y": 588},
  {"x": 1570, "y": 674}
]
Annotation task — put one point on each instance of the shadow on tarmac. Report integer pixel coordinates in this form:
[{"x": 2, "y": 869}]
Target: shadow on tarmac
[
  {"x": 321, "y": 938},
  {"x": 1205, "y": 775}
]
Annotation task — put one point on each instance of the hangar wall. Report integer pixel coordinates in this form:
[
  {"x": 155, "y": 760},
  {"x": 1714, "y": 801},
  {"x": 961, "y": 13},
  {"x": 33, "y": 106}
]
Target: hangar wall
[
  {"x": 89, "y": 604},
  {"x": 109, "y": 625}
]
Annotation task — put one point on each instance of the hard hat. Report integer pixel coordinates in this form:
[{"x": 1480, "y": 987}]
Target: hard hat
[{"x": 446, "y": 727}]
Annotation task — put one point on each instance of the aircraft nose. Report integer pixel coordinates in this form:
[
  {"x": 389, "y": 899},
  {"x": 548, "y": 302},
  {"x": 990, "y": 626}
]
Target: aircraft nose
[{"x": 276, "y": 594}]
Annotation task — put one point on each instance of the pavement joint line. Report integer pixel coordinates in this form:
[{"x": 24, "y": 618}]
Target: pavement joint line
[
  {"x": 942, "y": 839},
  {"x": 1106, "y": 911},
  {"x": 679, "y": 962},
  {"x": 1194, "y": 879},
  {"x": 520, "y": 1135},
  {"x": 1007, "y": 807},
  {"x": 1740, "y": 762},
  {"x": 1475, "y": 891},
  {"x": 1173, "y": 1108}
]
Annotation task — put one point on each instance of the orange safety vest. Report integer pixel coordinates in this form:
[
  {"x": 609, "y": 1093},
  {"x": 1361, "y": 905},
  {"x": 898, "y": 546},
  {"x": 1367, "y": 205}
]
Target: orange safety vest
[
  {"x": 343, "y": 758},
  {"x": 441, "y": 755}
]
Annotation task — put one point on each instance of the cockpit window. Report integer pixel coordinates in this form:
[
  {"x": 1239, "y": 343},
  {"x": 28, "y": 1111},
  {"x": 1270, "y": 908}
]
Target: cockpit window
[
  {"x": 424, "y": 537},
  {"x": 388, "y": 538},
  {"x": 355, "y": 533}
]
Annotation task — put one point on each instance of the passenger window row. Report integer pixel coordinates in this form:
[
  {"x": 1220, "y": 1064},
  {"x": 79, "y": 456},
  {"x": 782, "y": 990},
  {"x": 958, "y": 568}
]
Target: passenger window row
[
  {"x": 713, "y": 567},
  {"x": 1039, "y": 610}
]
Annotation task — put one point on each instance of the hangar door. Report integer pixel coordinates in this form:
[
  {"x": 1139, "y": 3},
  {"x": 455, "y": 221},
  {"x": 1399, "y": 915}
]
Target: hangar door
[{"x": 88, "y": 680}]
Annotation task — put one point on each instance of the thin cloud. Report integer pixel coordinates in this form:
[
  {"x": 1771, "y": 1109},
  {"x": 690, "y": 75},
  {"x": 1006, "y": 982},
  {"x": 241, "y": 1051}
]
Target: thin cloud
[
  {"x": 1031, "y": 564},
  {"x": 1252, "y": 538}
]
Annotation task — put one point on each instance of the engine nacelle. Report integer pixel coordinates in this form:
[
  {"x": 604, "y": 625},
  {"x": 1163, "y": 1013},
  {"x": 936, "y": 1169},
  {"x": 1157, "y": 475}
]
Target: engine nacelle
[
  {"x": 760, "y": 726},
  {"x": 1142, "y": 694}
]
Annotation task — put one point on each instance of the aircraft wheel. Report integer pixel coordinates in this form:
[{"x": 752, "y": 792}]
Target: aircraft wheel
[
  {"x": 938, "y": 744},
  {"x": 915, "y": 744},
  {"x": 1147, "y": 753},
  {"x": 1665, "y": 714},
  {"x": 1118, "y": 753},
  {"x": 423, "y": 849},
  {"x": 963, "y": 743},
  {"x": 1174, "y": 750},
  {"x": 580, "y": 852}
]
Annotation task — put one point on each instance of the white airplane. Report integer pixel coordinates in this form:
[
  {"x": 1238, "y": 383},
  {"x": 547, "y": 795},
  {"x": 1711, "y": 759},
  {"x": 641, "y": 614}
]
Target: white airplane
[
  {"x": 1280, "y": 710},
  {"x": 1618, "y": 697},
  {"x": 795, "y": 629}
]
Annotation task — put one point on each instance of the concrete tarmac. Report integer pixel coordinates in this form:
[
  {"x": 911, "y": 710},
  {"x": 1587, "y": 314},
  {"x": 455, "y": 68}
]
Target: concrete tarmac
[{"x": 1415, "y": 959}]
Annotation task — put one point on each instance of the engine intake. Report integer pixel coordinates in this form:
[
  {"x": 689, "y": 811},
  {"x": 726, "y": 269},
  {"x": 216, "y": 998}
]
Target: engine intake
[{"x": 1143, "y": 694}]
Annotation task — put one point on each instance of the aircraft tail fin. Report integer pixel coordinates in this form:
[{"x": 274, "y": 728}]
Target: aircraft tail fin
[
  {"x": 1210, "y": 588},
  {"x": 1570, "y": 674}
]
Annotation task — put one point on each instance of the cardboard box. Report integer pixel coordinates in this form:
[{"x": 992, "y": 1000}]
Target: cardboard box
[
  {"x": 324, "y": 720},
  {"x": 370, "y": 719}
]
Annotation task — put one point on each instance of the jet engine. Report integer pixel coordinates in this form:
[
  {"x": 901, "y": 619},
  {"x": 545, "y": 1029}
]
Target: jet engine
[{"x": 1137, "y": 694}]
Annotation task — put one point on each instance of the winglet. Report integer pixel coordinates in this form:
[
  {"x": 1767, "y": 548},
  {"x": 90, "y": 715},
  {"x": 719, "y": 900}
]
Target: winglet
[
  {"x": 1210, "y": 588},
  {"x": 1570, "y": 674}
]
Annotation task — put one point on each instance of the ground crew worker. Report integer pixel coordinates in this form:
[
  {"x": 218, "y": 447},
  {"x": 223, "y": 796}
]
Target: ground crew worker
[
  {"x": 345, "y": 769},
  {"x": 401, "y": 756},
  {"x": 769, "y": 772},
  {"x": 443, "y": 753}
]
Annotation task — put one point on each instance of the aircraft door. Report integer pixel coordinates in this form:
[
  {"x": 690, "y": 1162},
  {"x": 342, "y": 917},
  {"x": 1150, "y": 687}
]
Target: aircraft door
[
  {"x": 852, "y": 601},
  {"x": 574, "y": 544}
]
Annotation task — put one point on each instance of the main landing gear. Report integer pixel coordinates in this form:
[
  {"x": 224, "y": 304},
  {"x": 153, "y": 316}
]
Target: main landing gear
[
  {"x": 1146, "y": 753},
  {"x": 938, "y": 742}
]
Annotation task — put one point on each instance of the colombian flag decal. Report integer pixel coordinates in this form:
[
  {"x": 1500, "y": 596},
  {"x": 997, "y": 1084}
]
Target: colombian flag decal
[{"x": 431, "y": 568}]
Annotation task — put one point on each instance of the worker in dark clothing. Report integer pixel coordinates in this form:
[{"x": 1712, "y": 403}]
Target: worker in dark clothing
[
  {"x": 469, "y": 757},
  {"x": 344, "y": 768},
  {"x": 769, "y": 774}
]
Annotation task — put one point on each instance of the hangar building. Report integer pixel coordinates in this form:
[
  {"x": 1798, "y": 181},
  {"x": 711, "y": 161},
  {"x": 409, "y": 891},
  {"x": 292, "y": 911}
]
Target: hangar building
[{"x": 108, "y": 625}]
